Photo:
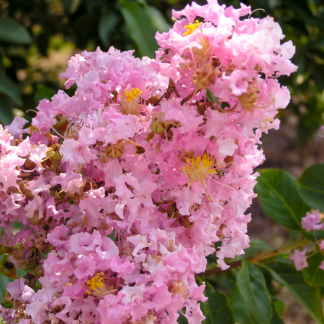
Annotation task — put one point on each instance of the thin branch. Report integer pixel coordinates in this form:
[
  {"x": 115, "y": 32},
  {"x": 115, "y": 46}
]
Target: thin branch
[{"x": 260, "y": 257}]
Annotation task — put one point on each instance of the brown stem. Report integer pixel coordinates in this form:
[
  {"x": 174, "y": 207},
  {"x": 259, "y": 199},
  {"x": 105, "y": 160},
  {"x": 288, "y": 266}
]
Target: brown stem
[
  {"x": 188, "y": 97},
  {"x": 259, "y": 257}
]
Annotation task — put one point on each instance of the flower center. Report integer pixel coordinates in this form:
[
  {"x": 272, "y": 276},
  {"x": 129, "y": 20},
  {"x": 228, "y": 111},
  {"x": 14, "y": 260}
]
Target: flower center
[
  {"x": 95, "y": 283},
  {"x": 191, "y": 27},
  {"x": 198, "y": 169},
  {"x": 132, "y": 94}
]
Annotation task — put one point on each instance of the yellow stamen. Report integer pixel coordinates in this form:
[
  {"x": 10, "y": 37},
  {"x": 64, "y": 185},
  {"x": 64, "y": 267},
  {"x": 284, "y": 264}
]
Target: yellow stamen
[
  {"x": 191, "y": 27},
  {"x": 132, "y": 94},
  {"x": 95, "y": 283},
  {"x": 198, "y": 169}
]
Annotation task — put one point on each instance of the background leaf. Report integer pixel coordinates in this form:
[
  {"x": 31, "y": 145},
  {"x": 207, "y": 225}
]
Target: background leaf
[
  {"x": 313, "y": 275},
  {"x": 308, "y": 296},
  {"x": 140, "y": 28},
  {"x": 8, "y": 88},
  {"x": 11, "y": 31},
  {"x": 107, "y": 23},
  {"x": 311, "y": 186},
  {"x": 43, "y": 92},
  {"x": 279, "y": 198},
  {"x": 253, "y": 289},
  {"x": 6, "y": 114},
  {"x": 216, "y": 308}
]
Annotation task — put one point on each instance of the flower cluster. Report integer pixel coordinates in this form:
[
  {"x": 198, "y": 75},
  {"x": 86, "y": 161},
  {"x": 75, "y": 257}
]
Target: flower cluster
[{"x": 123, "y": 189}]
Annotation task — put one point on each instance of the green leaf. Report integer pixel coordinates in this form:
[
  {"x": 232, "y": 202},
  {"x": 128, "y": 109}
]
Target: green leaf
[
  {"x": 70, "y": 6},
  {"x": 279, "y": 305},
  {"x": 240, "y": 311},
  {"x": 13, "y": 32},
  {"x": 8, "y": 88},
  {"x": 6, "y": 114},
  {"x": 308, "y": 296},
  {"x": 216, "y": 308},
  {"x": 276, "y": 318},
  {"x": 182, "y": 319},
  {"x": 140, "y": 27},
  {"x": 313, "y": 275},
  {"x": 311, "y": 186},
  {"x": 3, "y": 285},
  {"x": 225, "y": 105},
  {"x": 211, "y": 97},
  {"x": 279, "y": 197},
  {"x": 43, "y": 92},
  {"x": 253, "y": 289},
  {"x": 107, "y": 24},
  {"x": 157, "y": 19}
]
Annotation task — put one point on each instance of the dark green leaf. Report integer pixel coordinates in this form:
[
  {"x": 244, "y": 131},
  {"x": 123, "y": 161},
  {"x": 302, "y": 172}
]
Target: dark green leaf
[
  {"x": 301, "y": 9},
  {"x": 225, "y": 105},
  {"x": 276, "y": 318},
  {"x": 107, "y": 24},
  {"x": 313, "y": 275},
  {"x": 43, "y": 92},
  {"x": 210, "y": 96},
  {"x": 13, "y": 32},
  {"x": 253, "y": 289},
  {"x": 182, "y": 319},
  {"x": 6, "y": 115},
  {"x": 8, "y": 88},
  {"x": 140, "y": 28},
  {"x": 216, "y": 308},
  {"x": 3, "y": 282},
  {"x": 309, "y": 297},
  {"x": 3, "y": 285},
  {"x": 240, "y": 311},
  {"x": 311, "y": 186},
  {"x": 279, "y": 198}
]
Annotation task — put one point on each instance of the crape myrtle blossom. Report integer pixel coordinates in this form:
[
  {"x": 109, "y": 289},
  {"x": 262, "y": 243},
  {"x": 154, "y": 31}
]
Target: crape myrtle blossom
[{"x": 124, "y": 188}]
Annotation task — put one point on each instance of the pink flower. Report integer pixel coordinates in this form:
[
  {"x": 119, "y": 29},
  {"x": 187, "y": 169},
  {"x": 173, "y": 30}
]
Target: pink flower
[
  {"x": 311, "y": 221},
  {"x": 299, "y": 259}
]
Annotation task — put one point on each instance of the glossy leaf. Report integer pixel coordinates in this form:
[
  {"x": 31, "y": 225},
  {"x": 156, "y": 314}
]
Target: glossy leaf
[
  {"x": 11, "y": 31},
  {"x": 8, "y": 88},
  {"x": 140, "y": 28},
  {"x": 313, "y": 275},
  {"x": 106, "y": 27},
  {"x": 311, "y": 186},
  {"x": 308, "y": 296},
  {"x": 253, "y": 289},
  {"x": 6, "y": 115},
  {"x": 216, "y": 309},
  {"x": 279, "y": 197}
]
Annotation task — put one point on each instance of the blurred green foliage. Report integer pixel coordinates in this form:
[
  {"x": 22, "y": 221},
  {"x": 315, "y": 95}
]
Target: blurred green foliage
[{"x": 37, "y": 37}]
